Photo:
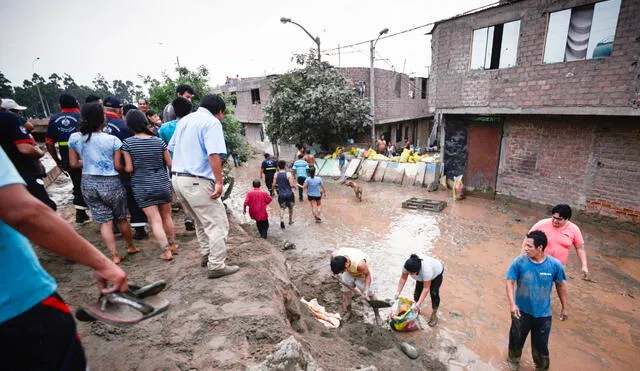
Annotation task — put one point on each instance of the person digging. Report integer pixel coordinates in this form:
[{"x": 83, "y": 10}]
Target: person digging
[
  {"x": 428, "y": 273},
  {"x": 353, "y": 267}
]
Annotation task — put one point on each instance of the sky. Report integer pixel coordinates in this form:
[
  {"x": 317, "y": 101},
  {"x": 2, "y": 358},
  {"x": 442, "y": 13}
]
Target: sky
[{"x": 245, "y": 38}]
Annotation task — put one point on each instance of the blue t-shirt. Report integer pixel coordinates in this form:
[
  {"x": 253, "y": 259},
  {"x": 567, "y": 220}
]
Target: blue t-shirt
[
  {"x": 534, "y": 283},
  {"x": 301, "y": 167},
  {"x": 23, "y": 281},
  {"x": 167, "y": 129},
  {"x": 97, "y": 153},
  {"x": 117, "y": 127},
  {"x": 313, "y": 186}
]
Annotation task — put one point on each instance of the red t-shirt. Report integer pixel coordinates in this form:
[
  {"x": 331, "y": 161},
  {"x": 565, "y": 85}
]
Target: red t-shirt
[
  {"x": 257, "y": 200},
  {"x": 559, "y": 240}
]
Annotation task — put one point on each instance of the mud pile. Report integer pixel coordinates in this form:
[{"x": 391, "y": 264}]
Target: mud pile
[{"x": 229, "y": 323}]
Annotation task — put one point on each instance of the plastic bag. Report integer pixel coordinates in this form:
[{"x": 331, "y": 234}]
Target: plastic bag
[
  {"x": 403, "y": 317},
  {"x": 458, "y": 188},
  {"x": 404, "y": 157}
]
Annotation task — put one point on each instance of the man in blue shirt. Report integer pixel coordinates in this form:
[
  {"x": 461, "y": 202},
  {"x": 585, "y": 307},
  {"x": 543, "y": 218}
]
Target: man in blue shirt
[
  {"x": 198, "y": 148},
  {"x": 531, "y": 277},
  {"x": 300, "y": 167},
  {"x": 61, "y": 126},
  {"x": 268, "y": 170},
  {"x": 37, "y": 330}
]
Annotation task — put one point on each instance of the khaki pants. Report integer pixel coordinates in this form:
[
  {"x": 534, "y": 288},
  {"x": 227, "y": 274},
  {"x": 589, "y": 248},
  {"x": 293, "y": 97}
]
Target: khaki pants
[{"x": 212, "y": 226}]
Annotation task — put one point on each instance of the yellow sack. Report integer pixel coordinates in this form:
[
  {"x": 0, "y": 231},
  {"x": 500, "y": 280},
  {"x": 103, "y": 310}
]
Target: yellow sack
[{"x": 404, "y": 157}]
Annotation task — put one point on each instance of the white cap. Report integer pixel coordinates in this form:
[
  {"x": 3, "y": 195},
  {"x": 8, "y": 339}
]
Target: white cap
[{"x": 11, "y": 104}]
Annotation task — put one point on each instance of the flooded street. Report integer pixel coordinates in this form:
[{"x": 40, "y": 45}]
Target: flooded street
[{"x": 476, "y": 239}]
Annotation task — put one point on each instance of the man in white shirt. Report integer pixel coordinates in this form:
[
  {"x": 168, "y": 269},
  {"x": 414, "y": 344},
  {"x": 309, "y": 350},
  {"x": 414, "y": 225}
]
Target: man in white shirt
[{"x": 198, "y": 148}]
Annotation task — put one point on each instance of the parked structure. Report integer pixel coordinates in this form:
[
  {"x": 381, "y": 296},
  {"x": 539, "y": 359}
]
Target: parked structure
[
  {"x": 541, "y": 102},
  {"x": 401, "y": 103}
]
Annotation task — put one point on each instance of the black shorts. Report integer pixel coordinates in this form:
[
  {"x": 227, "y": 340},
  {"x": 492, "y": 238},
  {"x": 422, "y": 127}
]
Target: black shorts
[
  {"x": 42, "y": 338},
  {"x": 287, "y": 201},
  {"x": 314, "y": 198}
]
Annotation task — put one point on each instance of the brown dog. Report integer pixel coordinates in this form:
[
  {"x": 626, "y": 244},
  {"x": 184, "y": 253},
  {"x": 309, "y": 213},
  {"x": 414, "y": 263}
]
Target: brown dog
[{"x": 356, "y": 188}]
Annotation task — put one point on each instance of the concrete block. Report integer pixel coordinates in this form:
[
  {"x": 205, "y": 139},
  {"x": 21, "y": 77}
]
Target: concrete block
[
  {"x": 410, "y": 173},
  {"x": 394, "y": 173},
  {"x": 367, "y": 170},
  {"x": 380, "y": 170},
  {"x": 330, "y": 168},
  {"x": 432, "y": 176},
  {"x": 352, "y": 167},
  {"x": 421, "y": 168}
]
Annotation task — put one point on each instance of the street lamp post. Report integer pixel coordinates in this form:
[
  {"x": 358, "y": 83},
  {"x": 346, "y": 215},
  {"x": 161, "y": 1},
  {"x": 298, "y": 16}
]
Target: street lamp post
[
  {"x": 315, "y": 39},
  {"x": 33, "y": 71},
  {"x": 372, "y": 90}
]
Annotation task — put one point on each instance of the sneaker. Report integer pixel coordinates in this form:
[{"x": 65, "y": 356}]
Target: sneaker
[
  {"x": 189, "y": 223},
  {"x": 204, "y": 260},
  {"x": 282, "y": 225},
  {"x": 81, "y": 217},
  {"x": 140, "y": 233},
  {"x": 228, "y": 270}
]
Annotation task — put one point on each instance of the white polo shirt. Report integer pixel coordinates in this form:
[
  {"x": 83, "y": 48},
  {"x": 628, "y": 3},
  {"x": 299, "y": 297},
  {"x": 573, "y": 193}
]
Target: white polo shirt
[{"x": 198, "y": 135}]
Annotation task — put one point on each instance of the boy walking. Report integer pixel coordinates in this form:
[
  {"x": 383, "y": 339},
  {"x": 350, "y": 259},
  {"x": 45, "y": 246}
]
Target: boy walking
[{"x": 257, "y": 200}]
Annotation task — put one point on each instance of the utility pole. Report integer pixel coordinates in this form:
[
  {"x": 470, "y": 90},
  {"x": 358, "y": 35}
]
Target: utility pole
[
  {"x": 315, "y": 39},
  {"x": 372, "y": 86},
  {"x": 33, "y": 70}
]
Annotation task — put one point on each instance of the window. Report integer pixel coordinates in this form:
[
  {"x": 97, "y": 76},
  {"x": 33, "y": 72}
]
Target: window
[
  {"x": 255, "y": 96},
  {"x": 585, "y": 32},
  {"x": 412, "y": 88},
  {"x": 234, "y": 98},
  {"x": 423, "y": 90},
  {"x": 495, "y": 46}
]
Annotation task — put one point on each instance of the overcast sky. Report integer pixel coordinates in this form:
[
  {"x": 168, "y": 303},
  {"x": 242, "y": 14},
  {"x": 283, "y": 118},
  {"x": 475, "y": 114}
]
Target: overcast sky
[{"x": 121, "y": 39}]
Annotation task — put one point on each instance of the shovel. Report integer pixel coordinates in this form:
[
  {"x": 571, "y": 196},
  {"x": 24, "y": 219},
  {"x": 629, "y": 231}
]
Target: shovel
[{"x": 374, "y": 303}]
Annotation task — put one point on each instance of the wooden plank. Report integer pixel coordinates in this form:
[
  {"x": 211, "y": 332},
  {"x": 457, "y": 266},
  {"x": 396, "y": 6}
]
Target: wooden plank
[
  {"x": 394, "y": 172},
  {"x": 410, "y": 173},
  {"x": 330, "y": 168},
  {"x": 378, "y": 176},
  {"x": 367, "y": 170},
  {"x": 421, "y": 168},
  {"x": 352, "y": 168}
]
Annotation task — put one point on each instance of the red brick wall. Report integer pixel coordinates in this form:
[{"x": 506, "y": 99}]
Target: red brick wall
[
  {"x": 592, "y": 164},
  {"x": 611, "y": 82}
]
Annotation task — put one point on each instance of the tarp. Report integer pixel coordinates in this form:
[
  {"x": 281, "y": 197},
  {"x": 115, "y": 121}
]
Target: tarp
[
  {"x": 380, "y": 170},
  {"x": 394, "y": 172},
  {"x": 367, "y": 170}
]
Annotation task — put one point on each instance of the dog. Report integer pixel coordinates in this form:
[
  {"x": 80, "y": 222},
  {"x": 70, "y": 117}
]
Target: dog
[{"x": 356, "y": 188}]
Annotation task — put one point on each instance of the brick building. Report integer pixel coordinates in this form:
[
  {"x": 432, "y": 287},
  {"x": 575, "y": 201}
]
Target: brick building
[
  {"x": 401, "y": 103},
  {"x": 540, "y": 101}
]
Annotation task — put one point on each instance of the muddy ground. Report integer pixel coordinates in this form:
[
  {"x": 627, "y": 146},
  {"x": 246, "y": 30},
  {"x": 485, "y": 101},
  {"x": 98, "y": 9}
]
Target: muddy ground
[{"x": 234, "y": 322}]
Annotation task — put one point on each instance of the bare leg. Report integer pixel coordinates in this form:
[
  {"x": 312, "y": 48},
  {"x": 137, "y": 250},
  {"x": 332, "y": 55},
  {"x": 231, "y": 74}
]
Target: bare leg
[
  {"x": 319, "y": 210},
  {"x": 167, "y": 223},
  {"x": 155, "y": 221},
  {"x": 106, "y": 231},
  {"x": 282, "y": 217},
  {"x": 125, "y": 231},
  {"x": 291, "y": 215}
]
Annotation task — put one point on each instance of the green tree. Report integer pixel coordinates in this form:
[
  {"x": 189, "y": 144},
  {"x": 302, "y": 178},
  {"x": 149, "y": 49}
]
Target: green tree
[
  {"x": 6, "y": 91},
  {"x": 315, "y": 104}
]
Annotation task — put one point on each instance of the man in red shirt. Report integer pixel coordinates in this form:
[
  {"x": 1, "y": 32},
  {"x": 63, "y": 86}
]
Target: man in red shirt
[{"x": 257, "y": 200}]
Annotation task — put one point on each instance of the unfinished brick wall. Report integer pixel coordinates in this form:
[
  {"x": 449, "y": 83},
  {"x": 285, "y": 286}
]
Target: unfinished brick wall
[
  {"x": 592, "y": 164},
  {"x": 246, "y": 110},
  {"x": 610, "y": 85}
]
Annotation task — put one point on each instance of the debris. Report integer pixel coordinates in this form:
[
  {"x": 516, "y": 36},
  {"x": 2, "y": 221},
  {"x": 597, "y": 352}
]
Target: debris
[
  {"x": 409, "y": 350},
  {"x": 288, "y": 245},
  {"x": 288, "y": 355},
  {"x": 424, "y": 204},
  {"x": 330, "y": 320}
]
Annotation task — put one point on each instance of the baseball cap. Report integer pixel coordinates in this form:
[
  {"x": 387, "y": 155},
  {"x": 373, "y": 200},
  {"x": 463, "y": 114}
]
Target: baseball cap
[
  {"x": 266, "y": 155},
  {"x": 112, "y": 102},
  {"x": 11, "y": 104}
]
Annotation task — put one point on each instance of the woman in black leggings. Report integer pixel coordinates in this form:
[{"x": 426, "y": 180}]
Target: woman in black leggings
[{"x": 428, "y": 273}]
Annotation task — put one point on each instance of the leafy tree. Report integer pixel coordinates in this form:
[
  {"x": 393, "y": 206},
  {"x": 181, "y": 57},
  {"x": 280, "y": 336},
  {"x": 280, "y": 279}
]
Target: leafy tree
[
  {"x": 6, "y": 91},
  {"x": 315, "y": 104}
]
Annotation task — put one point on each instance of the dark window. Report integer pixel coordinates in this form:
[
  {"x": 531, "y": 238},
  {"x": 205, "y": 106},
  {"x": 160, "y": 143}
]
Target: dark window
[
  {"x": 423, "y": 88},
  {"x": 255, "y": 96},
  {"x": 234, "y": 98}
]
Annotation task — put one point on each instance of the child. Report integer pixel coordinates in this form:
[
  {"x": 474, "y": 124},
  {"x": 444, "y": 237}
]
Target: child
[
  {"x": 257, "y": 200},
  {"x": 285, "y": 186}
]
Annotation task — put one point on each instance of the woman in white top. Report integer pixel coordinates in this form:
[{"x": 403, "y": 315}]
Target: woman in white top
[{"x": 428, "y": 273}]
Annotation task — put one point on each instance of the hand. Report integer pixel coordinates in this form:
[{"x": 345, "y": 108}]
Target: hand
[
  {"x": 515, "y": 312},
  {"x": 564, "y": 315},
  {"x": 416, "y": 307},
  {"x": 111, "y": 279},
  {"x": 585, "y": 272},
  {"x": 217, "y": 191},
  {"x": 395, "y": 297}
]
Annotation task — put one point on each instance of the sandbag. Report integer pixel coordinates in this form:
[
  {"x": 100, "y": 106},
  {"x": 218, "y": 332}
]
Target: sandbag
[
  {"x": 458, "y": 188},
  {"x": 402, "y": 317},
  {"x": 404, "y": 157}
]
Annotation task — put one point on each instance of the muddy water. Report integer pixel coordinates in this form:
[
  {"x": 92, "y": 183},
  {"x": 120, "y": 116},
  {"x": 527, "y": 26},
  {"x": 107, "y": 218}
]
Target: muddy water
[{"x": 477, "y": 240}]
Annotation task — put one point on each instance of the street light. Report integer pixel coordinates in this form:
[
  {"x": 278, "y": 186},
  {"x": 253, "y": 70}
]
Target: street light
[
  {"x": 33, "y": 71},
  {"x": 315, "y": 39},
  {"x": 372, "y": 90}
]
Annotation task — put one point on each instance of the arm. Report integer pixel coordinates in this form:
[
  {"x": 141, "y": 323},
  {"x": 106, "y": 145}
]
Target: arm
[
  {"x": 324, "y": 190},
  {"x": 45, "y": 228},
  {"x": 128, "y": 162},
  {"x": 166, "y": 156},
  {"x": 364, "y": 269},
  {"x": 582, "y": 255},
  {"x": 29, "y": 150},
  {"x": 117, "y": 160},
  {"x": 246, "y": 203},
  {"x": 275, "y": 181},
  {"x": 292, "y": 181},
  {"x": 51, "y": 148},
  {"x": 515, "y": 311},
  {"x": 74, "y": 159},
  {"x": 403, "y": 280},
  {"x": 215, "y": 161},
  {"x": 561, "y": 288}
]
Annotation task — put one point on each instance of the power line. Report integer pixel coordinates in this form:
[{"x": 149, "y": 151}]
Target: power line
[{"x": 409, "y": 30}]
